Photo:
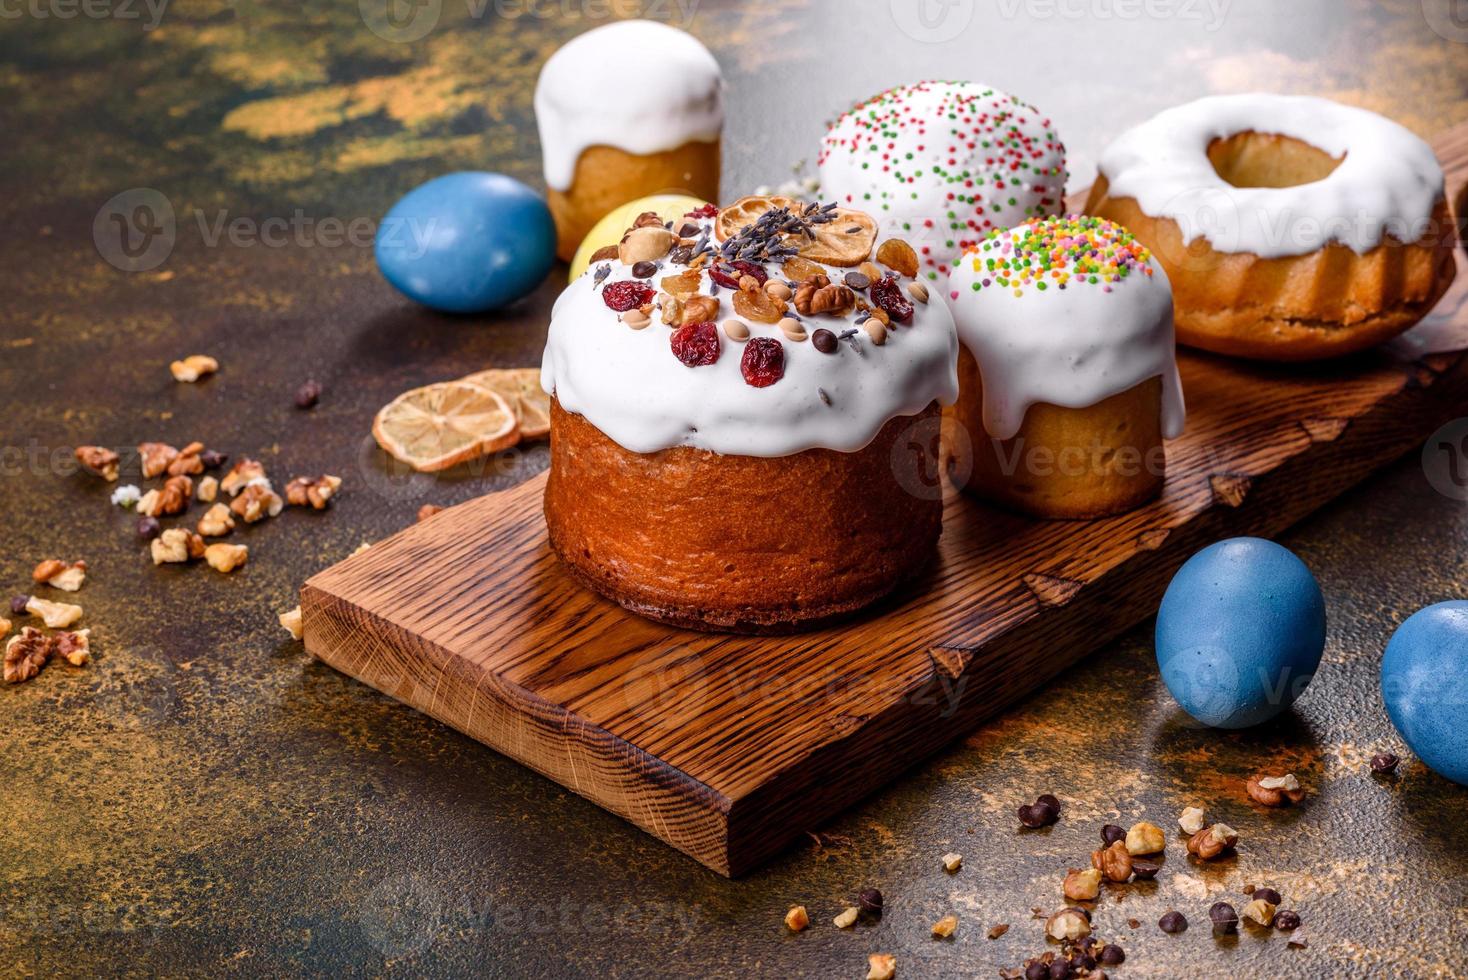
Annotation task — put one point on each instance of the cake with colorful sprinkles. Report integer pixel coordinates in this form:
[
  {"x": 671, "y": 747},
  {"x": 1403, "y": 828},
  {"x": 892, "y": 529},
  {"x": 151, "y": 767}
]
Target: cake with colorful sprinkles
[
  {"x": 943, "y": 164},
  {"x": 1068, "y": 375},
  {"x": 736, "y": 398}
]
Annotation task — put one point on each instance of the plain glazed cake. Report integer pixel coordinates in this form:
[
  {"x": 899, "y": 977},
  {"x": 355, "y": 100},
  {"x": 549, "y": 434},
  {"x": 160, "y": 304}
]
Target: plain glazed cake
[
  {"x": 627, "y": 110},
  {"x": 1291, "y": 227},
  {"x": 943, "y": 164},
  {"x": 1068, "y": 376},
  {"x": 737, "y": 429}
]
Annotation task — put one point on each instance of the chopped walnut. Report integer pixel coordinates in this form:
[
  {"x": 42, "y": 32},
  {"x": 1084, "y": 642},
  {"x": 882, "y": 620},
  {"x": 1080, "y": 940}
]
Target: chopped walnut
[
  {"x": 156, "y": 457},
  {"x": 699, "y": 309},
  {"x": 314, "y": 490},
  {"x": 241, "y": 475},
  {"x": 1113, "y": 861},
  {"x": 818, "y": 295},
  {"x": 1193, "y": 819},
  {"x": 188, "y": 461},
  {"x": 216, "y": 522},
  {"x": 207, "y": 490},
  {"x": 257, "y": 502},
  {"x": 1275, "y": 790},
  {"x": 291, "y": 620},
  {"x": 952, "y": 862},
  {"x": 193, "y": 367},
  {"x": 795, "y": 920},
  {"x": 1082, "y": 886},
  {"x": 1068, "y": 923},
  {"x": 172, "y": 498},
  {"x": 944, "y": 927},
  {"x": 1145, "y": 838},
  {"x": 74, "y": 648},
  {"x": 1212, "y": 841},
  {"x": 881, "y": 966},
  {"x": 25, "y": 654},
  {"x": 99, "y": 460},
  {"x": 66, "y": 576},
  {"x": 177, "y": 544},
  {"x": 57, "y": 615},
  {"x": 226, "y": 557}
]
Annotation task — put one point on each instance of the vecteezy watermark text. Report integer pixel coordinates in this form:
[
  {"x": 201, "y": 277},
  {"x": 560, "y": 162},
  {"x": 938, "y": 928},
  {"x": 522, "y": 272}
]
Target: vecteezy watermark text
[
  {"x": 149, "y": 12},
  {"x": 405, "y": 21},
  {"x": 1210, "y": 13}
]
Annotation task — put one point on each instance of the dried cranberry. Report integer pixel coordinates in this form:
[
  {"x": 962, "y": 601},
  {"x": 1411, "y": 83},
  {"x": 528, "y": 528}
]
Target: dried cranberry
[
  {"x": 887, "y": 294},
  {"x": 707, "y": 211},
  {"x": 763, "y": 363},
  {"x": 696, "y": 344},
  {"x": 725, "y": 276},
  {"x": 626, "y": 295}
]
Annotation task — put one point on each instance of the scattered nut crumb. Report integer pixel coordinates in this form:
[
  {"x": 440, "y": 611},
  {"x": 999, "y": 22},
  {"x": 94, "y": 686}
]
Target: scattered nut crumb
[
  {"x": 316, "y": 491},
  {"x": 291, "y": 620},
  {"x": 952, "y": 862},
  {"x": 226, "y": 557},
  {"x": 1275, "y": 790},
  {"x": 1145, "y": 838},
  {"x": 881, "y": 966},
  {"x": 428, "y": 510},
  {"x": 98, "y": 460},
  {"x": 216, "y": 522},
  {"x": 57, "y": 615},
  {"x": 795, "y": 920},
  {"x": 944, "y": 927},
  {"x": 193, "y": 367},
  {"x": 207, "y": 490},
  {"x": 1193, "y": 819},
  {"x": 66, "y": 576},
  {"x": 996, "y": 931},
  {"x": 847, "y": 918}
]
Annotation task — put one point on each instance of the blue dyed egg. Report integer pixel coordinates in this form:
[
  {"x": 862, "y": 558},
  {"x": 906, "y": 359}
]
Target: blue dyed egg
[
  {"x": 467, "y": 242},
  {"x": 1240, "y": 632},
  {"x": 1424, "y": 682}
]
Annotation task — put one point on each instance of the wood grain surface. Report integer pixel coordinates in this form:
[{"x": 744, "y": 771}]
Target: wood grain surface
[{"x": 729, "y": 747}]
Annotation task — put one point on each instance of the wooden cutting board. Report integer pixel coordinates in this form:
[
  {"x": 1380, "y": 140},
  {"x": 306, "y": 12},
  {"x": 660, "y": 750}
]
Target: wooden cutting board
[{"x": 729, "y": 747}]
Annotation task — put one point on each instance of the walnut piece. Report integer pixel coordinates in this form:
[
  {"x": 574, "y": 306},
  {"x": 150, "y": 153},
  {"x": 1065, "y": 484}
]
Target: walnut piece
[
  {"x": 66, "y": 576},
  {"x": 156, "y": 457},
  {"x": 881, "y": 966},
  {"x": 699, "y": 309},
  {"x": 99, "y": 460},
  {"x": 1192, "y": 820},
  {"x": 193, "y": 367},
  {"x": 177, "y": 544},
  {"x": 57, "y": 615},
  {"x": 818, "y": 295},
  {"x": 226, "y": 557},
  {"x": 944, "y": 927},
  {"x": 216, "y": 522},
  {"x": 316, "y": 491},
  {"x": 952, "y": 862},
  {"x": 1068, "y": 923},
  {"x": 74, "y": 648},
  {"x": 257, "y": 502},
  {"x": 188, "y": 460},
  {"x": 1082, "y": 886},
  {"x": 291, "y": 620},
  {"x": 1210, "y": 842},
  {"x": 1145, "y": 838},
  {"x": 1114, "y": 862},
  {"x": 25, "y": 654},
  {"x": 172, "y": 498},
  {"x": 241, "y": 475},
  {"x": 1275, "y": 790},
  {"x": 207, "y": 490}
]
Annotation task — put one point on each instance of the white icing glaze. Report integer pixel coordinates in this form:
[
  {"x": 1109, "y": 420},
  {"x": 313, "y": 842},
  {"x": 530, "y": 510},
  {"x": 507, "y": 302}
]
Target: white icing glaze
[
  {"x": 1072, "y": 347},
  {"x": 635, "y": 85},
  {"x": 944, "y": 183},
  {"x": 1388, "y": 182},
  {"x": 629, "y": 384}
]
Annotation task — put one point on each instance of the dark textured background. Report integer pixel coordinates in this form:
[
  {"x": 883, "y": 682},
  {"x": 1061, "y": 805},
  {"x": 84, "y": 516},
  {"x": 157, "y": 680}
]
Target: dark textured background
[{"x": 204, "y": 798}]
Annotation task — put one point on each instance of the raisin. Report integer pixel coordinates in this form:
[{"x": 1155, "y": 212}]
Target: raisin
[
  {"x": 723, "y": 275},
  {"x": 707, "y": 211},
  {"x": 696, "y": 344},
  {"x": 887, "y": 294},
  {"x": 763, "y": 363},
  {"x": 626, "y": 295},
  {"x": 824, "y": 341}
]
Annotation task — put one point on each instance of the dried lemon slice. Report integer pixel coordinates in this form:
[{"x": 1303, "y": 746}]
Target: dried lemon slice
[
  {"x": 745, "y": 212},
  {"x": 441, "y": 425},
  {"x": 521, "y": 388},
  {"x": 846, "y": 240}
]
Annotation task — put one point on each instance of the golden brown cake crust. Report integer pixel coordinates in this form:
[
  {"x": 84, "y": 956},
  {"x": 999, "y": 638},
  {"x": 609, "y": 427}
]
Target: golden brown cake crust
[
  {"x": 607, "y": 178},
  {"x": 740, "y": 543},
  {"x": 1329, "y": 303},
  {"x": 1071, "y": 463}
]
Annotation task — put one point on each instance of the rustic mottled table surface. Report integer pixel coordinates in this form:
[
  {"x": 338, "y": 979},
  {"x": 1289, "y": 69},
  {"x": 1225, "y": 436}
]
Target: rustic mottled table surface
[{"x": 205, "y": 798}]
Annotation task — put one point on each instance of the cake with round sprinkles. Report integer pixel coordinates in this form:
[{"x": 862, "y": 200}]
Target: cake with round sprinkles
[
  {"x": 943, "y": 164},
  {"x": 741, "y": 405},
  {"x": 1068, "y": 374}
]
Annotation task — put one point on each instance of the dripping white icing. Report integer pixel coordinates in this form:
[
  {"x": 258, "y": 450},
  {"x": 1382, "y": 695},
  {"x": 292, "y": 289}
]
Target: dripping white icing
[
  {"x": 1072, "y": 347},
  {"x": 629, "y": 384},
  {"x": 1388, "y": 182},
  {"x": 635, "y": 85}
]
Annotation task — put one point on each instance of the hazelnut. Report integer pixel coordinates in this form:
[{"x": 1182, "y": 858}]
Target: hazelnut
[
  {"x": 1212, "y": 841},
  {"x": 881, "y": 966},
  {"x": 1193, "y": 819},
  {"x": 1068, "y": 924},
  {"x": 1275, "y": 790},
  {"x": 1082, "y": 886},
  {"x": 1145, "y": 838},
  {"x": 847, "y": 918},
  {"x": 1114, "y": 862},
  {"x": 795, "y": 920}
]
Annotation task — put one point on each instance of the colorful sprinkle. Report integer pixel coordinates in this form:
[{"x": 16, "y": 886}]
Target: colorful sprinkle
[{"x": 1057, "y": 251}]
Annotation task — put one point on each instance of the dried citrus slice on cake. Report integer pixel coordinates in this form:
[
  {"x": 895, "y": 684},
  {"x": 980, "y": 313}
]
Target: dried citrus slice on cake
[
  {"x": 846, "y": 240},
  {"x": 521, "y": 388},
  {"x": 441, "y": 425},
  {"x": 745, "y": 212}
]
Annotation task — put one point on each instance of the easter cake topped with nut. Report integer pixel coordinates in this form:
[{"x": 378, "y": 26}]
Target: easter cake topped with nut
[{"x": 739, "y": 401}]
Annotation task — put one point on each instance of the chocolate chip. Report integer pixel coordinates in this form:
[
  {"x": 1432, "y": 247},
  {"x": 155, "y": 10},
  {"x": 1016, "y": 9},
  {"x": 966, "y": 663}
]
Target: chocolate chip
[
  {"x": 1112, "y": 955},
  {"x": 644, "y": 270},
  {"x": 1037, "y": 971},
  {"x": 213, "y": 460},
  {"x": 1144, "y": 870},
  {"x": 18, "y": 604},
  {"x": 1269, "y": 895},
  {"x": 1287, "y": 919},
  {"x": 824, "y": 341},
  {"x": 1173, "y": 922},
  {"x": 308, "y": 395},
  {"x": 857, "y": 280},
  {"x": 1225, "y": 918},
  {"x": 689, "y": 230},
  {"x": 1384, "y": 764},
  {"x": 148, "y": 527},
  {"x": 1037, "y": 815},
  {"x": 1050, "y": 801},
  {"x": 1111, "y": 833},
  {"x": 1059, "y": 970},
  {"x": 870, "y": 901}
]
